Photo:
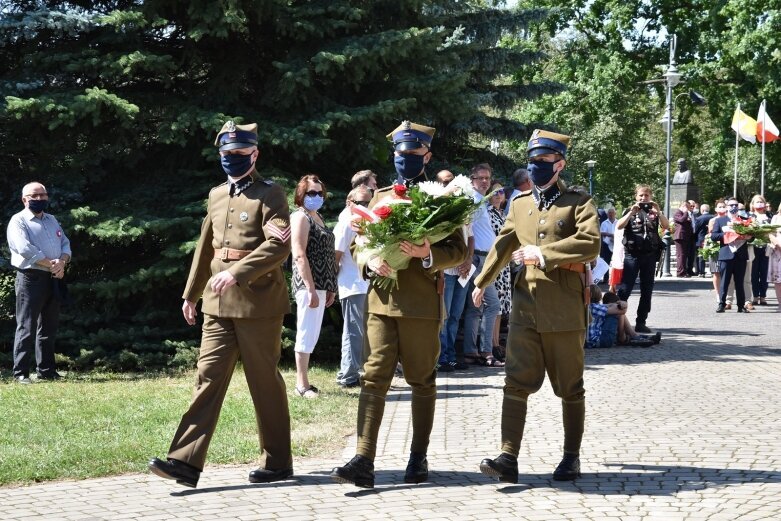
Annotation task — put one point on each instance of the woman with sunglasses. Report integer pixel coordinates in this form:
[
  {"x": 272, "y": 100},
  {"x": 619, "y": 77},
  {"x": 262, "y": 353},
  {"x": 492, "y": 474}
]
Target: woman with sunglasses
[{"x": 314, "y": 274}]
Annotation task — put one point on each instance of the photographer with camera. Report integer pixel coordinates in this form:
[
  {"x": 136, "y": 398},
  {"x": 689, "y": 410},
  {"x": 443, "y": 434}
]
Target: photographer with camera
[{"x": 642, "y": 249}]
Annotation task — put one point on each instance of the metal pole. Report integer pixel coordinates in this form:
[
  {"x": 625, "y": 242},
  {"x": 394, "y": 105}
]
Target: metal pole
[
  {"x": 764, "y": 123},
  {"x": 669, "y": 116},
  {"x": 590, "y": 181}
]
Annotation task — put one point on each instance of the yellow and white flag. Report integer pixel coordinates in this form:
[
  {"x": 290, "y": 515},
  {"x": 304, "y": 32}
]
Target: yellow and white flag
[{"x": 744, "y": 125}]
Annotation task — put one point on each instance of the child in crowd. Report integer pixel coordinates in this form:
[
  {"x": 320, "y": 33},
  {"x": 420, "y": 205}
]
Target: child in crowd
[{"x": 609, "y": 325}]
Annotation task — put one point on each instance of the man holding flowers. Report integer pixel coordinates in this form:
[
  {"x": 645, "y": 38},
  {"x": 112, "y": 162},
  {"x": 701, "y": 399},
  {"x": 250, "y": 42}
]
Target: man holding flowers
[
  {"x": 553, "y": 231},
  {"x": 404, "y": 304}
]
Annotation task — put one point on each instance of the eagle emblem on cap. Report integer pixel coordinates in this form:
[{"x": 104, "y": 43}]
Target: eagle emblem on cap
[
  {"x": 536, "y": 133},
  {"x": 231, "y": 126},
  {"x": 406, "y": 125}
]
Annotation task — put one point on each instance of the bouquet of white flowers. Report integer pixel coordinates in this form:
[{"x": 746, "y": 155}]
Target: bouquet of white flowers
[{"x": 428, "y": 210}]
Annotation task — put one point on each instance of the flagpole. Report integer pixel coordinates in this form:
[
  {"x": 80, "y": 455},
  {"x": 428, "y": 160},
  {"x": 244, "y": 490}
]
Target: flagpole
[
  {"x": 737, "y": 138},
  {"x": 762, "y": 137}
]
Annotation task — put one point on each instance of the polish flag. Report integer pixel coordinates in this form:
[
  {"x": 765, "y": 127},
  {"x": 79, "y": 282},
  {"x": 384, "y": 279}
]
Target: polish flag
[{"x": 767, "y": 132}]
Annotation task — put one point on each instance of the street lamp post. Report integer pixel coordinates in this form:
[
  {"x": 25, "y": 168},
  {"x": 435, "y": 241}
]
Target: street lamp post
[
  {"x": 590, "y": 164},
  {"x": 672, "y": 77}
]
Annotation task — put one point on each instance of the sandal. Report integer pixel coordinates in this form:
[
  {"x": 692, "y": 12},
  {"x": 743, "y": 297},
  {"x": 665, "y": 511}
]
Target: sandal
[
  {"x": 310, "y": 392},
  {"x": 490, "y": 361}
]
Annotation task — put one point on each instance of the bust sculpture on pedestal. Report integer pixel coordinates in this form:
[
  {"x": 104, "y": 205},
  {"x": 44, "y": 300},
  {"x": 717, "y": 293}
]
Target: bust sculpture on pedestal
[
  {"x": 683, "y": 176},
  {"x": 683, "y": 188}
]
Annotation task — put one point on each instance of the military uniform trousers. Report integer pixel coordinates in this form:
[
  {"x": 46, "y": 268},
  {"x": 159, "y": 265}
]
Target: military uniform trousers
[
  {"x": 414, "y": 342},
  {"x": 257, "y": 341},
  {"x": 529, "y": 356}
]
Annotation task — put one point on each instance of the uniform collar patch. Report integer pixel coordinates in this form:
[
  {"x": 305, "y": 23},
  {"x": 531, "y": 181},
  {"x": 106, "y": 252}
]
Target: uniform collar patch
[{"x": 544, "y": 199}]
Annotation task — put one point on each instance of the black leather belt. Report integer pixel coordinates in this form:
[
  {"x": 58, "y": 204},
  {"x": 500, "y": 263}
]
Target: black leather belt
[{"x": 481, "y": 253}]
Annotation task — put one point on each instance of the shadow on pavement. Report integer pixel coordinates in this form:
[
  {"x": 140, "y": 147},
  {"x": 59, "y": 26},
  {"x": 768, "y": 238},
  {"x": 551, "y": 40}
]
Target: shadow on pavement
[
  {"x": 648, "y": 480},
  {"x": 655, "y": 480}
]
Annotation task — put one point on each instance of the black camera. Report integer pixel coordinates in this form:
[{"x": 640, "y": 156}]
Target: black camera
[{"x": 646, "y": 207}]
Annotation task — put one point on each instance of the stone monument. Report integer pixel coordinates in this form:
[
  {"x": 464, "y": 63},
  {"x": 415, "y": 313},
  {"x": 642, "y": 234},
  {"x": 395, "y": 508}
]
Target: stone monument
[{"x": 682, "y": 187}]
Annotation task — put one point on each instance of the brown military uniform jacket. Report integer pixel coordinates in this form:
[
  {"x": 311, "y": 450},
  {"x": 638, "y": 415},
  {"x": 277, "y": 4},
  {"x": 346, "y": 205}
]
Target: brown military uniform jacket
[
  {"x": 417, "y": 295},
  {"x": 257, "y": 219},
  {"x": 548, "y": 299}
]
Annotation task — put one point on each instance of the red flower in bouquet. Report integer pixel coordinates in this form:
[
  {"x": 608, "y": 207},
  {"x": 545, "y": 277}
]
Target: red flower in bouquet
[
  {"x": 383, "y": 212},
  {"x": 400, "y": 190}
]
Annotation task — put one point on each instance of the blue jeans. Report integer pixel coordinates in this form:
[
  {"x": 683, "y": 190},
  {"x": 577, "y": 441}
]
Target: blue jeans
[
  {"x": 490, "y": 309},
  {"x": 455, "y": 298},
  {"x": 645, "y": 266},
  {"x": 353, "y": 335}
]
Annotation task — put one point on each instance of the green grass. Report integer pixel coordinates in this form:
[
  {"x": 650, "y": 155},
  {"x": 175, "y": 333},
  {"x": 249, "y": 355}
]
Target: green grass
[{"x": 96, "y": 425}]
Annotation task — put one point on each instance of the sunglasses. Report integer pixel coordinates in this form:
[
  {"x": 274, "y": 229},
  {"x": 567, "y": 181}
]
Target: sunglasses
[
  {"x": 313, "y": 193},
  {"x": 362, "y": 203},
  {"x": 731, "y": 205}
]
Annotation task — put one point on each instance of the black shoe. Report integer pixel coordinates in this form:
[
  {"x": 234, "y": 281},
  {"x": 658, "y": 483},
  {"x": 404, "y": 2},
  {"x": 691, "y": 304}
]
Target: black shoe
[
  {"x": 22, "y": 380},
  {"x": 50, "y": 376},
  {"x": 568, "y": 469},
  {"x": 657, "y": 337},
  {"x": 460, "y": 366},
  {"x": 446, "y": 368},
  {"x": 743, "y": 310},
  {"x": 417, "y": 468},
  {"x": 641, "y": 328},
  {"x": 720, "y": 308},
  {"x": 350, "y": 385},
  {"x": 183, "y": 473},
  {"x": 504, "y": 468},
  {"x": 359, "y": 471},
  {"x": 641, "y": 341},
  {"x": 268, "y": 475}
]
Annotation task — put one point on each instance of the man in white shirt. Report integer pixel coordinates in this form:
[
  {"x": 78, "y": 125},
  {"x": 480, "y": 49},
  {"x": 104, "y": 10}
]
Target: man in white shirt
[
  {"x": 484, "y": 238},
  {"x": 39, "y": 252},
  {"x": 352, "y": 292},
  {"x": 607, "y": 231}
]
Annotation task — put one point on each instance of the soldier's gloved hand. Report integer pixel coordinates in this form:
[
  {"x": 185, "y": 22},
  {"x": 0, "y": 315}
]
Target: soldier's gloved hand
[
  {"x": 222, "y": 281},
  {"x": 188, "y": 310},
  {"x": 379, "y": 266},
  {"x": 532, "y": 253}
]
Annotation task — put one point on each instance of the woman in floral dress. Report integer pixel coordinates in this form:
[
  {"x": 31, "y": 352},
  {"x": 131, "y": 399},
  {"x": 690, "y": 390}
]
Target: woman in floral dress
[{"x": 503, "y": 282}]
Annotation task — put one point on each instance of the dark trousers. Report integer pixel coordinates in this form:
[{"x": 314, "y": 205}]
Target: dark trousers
[
  {"x": 37, "y": 318},
  {"x": 645, "y": 266},
  {"x": 682, "y": 257},
  {"x": 759, "y": 273},
  {"x": 605, "y": 253},
  {"x": 690, "y": 261},
  {"x": 728, "y": 269}
]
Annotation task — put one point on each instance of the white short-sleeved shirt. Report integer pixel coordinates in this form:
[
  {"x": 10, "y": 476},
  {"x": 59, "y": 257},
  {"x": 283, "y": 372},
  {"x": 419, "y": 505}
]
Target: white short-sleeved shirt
[{"x": 349, "y": 279}]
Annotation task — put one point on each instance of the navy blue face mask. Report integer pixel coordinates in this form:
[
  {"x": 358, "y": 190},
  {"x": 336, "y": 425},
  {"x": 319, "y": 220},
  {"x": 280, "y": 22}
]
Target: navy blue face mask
[
  {"x": 37, "y": 205},
  {"x": 236, "y": 165},
  {"x": 540, "y": 172},
  {"x": 408, "y": 166}
]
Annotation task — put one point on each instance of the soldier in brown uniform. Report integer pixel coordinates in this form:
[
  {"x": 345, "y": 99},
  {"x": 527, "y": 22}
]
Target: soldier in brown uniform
[
  {"x": 403, "y": 325},
  {"x": 237, "y": 270},
  {"x": 553, "y": 231}
]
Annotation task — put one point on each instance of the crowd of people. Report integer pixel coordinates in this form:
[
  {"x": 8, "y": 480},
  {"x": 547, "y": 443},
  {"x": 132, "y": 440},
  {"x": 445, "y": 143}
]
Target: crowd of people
[{"x": 525, "y": 258}]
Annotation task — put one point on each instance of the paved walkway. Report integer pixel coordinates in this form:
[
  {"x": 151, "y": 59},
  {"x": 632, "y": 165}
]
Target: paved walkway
[{"x": 690, "y": 429}]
